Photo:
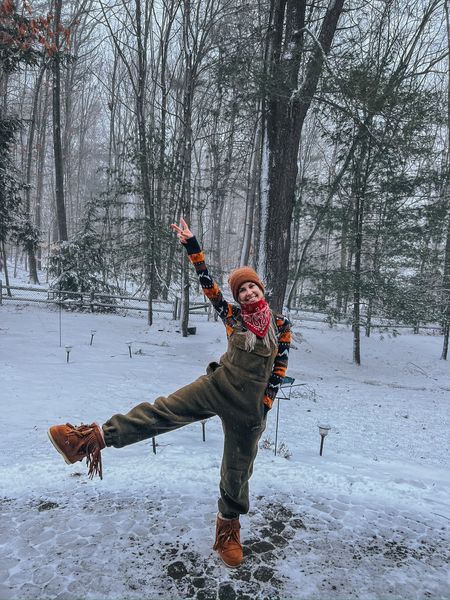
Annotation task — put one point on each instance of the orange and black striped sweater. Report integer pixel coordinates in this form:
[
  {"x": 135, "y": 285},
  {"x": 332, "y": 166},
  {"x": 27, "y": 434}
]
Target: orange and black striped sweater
[{"x": 231, "y": 315}]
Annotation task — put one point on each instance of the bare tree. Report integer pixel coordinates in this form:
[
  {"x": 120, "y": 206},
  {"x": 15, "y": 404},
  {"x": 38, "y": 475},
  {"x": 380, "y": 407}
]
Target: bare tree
[
  {"x": 32, "y": 264},
  {"x": 199, "y": 21},
  {"x": 136, "y": 63}
]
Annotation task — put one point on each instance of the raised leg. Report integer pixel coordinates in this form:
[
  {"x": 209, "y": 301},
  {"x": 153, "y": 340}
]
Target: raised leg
[{"x": 187, "y": 405}]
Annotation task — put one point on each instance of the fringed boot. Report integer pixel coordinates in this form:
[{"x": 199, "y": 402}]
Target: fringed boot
[{"x": 76, "y": 443}]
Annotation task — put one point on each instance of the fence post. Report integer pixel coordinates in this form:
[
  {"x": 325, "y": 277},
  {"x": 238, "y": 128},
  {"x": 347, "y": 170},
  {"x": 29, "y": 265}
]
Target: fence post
[{"x": 92, "y": 298}]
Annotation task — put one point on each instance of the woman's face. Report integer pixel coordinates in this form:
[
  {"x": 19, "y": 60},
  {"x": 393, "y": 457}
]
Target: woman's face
[{"x": 249, "y": 292}]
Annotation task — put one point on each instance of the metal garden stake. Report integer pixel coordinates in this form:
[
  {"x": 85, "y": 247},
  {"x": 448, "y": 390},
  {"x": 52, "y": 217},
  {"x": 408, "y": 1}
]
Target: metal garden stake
[
  {"x": 323, "y": 430},
  {"x": 287, "y": 383}
]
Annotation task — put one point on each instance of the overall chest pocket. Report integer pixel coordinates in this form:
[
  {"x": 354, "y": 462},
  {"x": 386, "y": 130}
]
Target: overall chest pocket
[{"x": 239, "y": 339}]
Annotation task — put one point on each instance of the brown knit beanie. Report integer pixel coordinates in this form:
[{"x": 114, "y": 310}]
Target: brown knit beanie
[{"x": 239, "y": 276}]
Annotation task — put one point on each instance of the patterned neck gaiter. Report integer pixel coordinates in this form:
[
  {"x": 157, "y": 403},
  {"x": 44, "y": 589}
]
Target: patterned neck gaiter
[{"x": 256, "y": 317}]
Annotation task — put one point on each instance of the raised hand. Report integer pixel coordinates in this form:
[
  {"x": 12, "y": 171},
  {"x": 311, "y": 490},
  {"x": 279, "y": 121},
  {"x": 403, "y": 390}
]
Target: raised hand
[{"x": 183, "y": 232}]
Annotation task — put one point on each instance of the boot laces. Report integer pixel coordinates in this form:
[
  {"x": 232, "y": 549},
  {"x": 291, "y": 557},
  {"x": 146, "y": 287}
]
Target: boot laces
[
  {"x": 91, "y": 448},
  {"x": 228, "y": 532}
]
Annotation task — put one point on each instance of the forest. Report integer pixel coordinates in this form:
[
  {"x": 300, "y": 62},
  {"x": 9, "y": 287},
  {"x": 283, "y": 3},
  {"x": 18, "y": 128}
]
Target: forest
[{"x": 309, "y": 140}]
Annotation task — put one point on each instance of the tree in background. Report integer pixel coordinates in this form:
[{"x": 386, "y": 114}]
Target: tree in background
[
  {"x": 24, "y": 41},
  {"x": 287, "y": 101},
  {"x": 382, "y": 172},
  {"x": 312, "y": 151},
  {"x": 9, "y": 186},
  {"x": 445, "y": 194},
  {"x": 82, "y": 265}
]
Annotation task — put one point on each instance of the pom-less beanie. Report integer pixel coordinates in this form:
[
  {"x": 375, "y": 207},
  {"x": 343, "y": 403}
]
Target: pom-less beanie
[{"x": 240, "y": 276}]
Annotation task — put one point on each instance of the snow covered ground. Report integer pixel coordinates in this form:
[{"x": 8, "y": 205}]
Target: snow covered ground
[{"x": 369, "y": 519}]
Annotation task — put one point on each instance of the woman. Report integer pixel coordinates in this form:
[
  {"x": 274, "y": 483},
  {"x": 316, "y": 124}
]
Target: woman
[{"x": 240, "y": 389}]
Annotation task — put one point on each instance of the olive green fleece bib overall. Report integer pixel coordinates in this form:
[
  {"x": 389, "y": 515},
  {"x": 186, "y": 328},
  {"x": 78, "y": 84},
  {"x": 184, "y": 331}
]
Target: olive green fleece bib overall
[{"x": 233, "y": 390}]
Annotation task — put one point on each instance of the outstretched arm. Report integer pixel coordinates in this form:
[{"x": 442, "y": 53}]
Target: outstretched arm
[{"x": 225, "y": 310}]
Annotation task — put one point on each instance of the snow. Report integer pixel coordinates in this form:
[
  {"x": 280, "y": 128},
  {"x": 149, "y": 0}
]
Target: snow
[{"x": 368, "y": 519}]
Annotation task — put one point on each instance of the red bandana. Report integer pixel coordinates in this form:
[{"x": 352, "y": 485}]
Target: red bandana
[{"x": 256, "y": 317}]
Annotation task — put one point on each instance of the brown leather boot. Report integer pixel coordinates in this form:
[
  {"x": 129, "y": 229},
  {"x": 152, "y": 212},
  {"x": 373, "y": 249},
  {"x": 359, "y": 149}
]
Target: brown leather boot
[
  {"x": 228, "y": 543},
  {"x": 76, "y": 443}
]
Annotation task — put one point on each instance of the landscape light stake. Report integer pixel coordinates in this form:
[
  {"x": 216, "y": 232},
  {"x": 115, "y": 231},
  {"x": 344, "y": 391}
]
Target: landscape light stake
[
  {"x": 203, "y": 429},
  {"x": 68, "y": 349},
  {"x": 60, "y": 301},
  {"x": 154, "y": 445},
  {"x": 93, "y": 332},
  {"x": 59, "y": 320},
  {"x": 323, "y": 430},
  {"x": 129, "y": 348}
]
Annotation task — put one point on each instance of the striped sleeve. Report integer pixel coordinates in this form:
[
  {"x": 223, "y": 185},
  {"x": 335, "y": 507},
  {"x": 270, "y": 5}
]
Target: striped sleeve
[
  {"x": 225, "y": 310},
  {"x": 281, "y": 360}
]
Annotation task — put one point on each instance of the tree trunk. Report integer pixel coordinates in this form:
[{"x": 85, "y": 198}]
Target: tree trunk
[
  {"x": 446, "y": 194},
  {"x": 358, "y": 222},
  {"x": 188, "y": 93},
  {"x": 174, "y": 210},
  {"x": 446, "y": 286},
  {"x": 285, "y": 111},
  {"x": 33, "y": 276},
  {"x": 144, "y": 163},
  {"x": 161, "y": 185},
  {"x": 221, "y": 172},
  {"x": 186, "y": 191},
  {"x": 57, "y": 144},
  {"x": 40, "y": 162},
  {"x": 359, "y": 184},
  {"x": 5, "y": 268},
  {"x": 216, "y": 196},
  {"x": 368, "y": 325},
  {"x": 342, "y": 290},
  {"x": 16, "y": 259},
  {"x": 252, "y": 192}
]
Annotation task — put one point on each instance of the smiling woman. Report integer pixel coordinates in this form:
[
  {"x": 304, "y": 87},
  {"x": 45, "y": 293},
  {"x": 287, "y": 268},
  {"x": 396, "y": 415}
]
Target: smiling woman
[
  {"x": 240, "y": 389},
  {"x": 249, "y": 292}
]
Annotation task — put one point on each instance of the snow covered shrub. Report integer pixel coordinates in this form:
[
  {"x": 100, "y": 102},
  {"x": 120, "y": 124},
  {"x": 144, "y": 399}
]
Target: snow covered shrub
[
  {"x": 266, "y": 444},
  {"x": 282, "y": 450},
  {"x": 25, "y": 234},
  {"x": 305, "y": 392},
  {"x": 80, "y": 269}
]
